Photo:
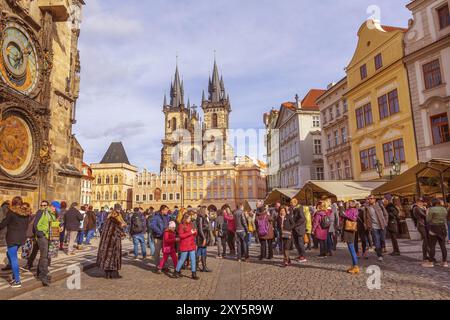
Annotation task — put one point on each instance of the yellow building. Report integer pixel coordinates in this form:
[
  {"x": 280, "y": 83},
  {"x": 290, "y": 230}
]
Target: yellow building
[
  {"x": 381, "y": 128},
  {"x": 114, "y": 179}
]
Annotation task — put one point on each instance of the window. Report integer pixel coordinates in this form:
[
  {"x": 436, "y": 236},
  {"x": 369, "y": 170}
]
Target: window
[
  {"x": 368, "y": 114},
  {"x": 137, "y": 198},
  {"x": 393, "y": 102},
  {"x": 99, "y": 180},
  {"x": 194, "y": 196},
  {"x": 344, "y": 134},
  {"x": 171, "y": 196},
  {"x": 440, "y": 129},
  {"x": 214, "y": 123},
  {"x": 432, "y": 74},
  {"x": 116, "y": 179},
  {"x": 144, "y": 197},
  {"x": 359, "y": 118},
  {"x": 165, "y": 197},
  {"x": 319, "y": 173},
  {"x": 107, "y": 180},
  {"x": 345, "y": 105},
  {"x": 229, "y": 194},
  {"x": 368, "y": 159},
  {"x": 378, "y": 61},
  {"x": 150, "y": 197},
  {"x": 347, "y": 169},
  {"x": 336, "y": 137},
  {"x": 444, "y": 17},
  {"x": 329, "y": 141},
  {"x": 330, "y": 111},
  {"x": 324, "y": 116},
  {"x": 332, "y": 175},
  {"x": 98, "y": 196},
  {"x": 338, "y": 169},
  {"x": 394, "y": 151},
  {"x": 317, "y": 146},
  {"x": 178, "y": 196},
  {"x": 363, "y": 71},
  {"x": 338, "y": 110},
  {"x": 250, "y": 193},
  {"x": 316, "y": 121},
  {"x": 383, "y": 107}
]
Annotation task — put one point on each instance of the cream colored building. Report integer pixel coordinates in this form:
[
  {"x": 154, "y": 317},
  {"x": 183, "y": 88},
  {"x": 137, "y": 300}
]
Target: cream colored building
[
  {"x": 114, "y": 179},
  {"x": 272, "y": 141},
  {"x": 427, "y": 58},
  {"x": 86, "y": 185},
  {"x": 335, "y": 139}
]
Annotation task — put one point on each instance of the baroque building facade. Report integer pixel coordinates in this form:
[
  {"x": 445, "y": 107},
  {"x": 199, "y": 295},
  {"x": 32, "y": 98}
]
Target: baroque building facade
[
  {"x": 86, "y": 185},
  {"x": 381, "y": 128},
  {"x": 114, "y": 179},
  {"x": 272, "y": 142},
  {"x": 299, "y": 129},
  {"x": 40, "y": 158},
  {"x": 427, "y": 58},
  {"x": 335, "y": 140}
]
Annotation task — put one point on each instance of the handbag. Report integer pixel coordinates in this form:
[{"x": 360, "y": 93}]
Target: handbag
[
  {"x": 350, "y": 226},
  {"x": 286, "y": 234},
  {"x": 27, "y": 248}
]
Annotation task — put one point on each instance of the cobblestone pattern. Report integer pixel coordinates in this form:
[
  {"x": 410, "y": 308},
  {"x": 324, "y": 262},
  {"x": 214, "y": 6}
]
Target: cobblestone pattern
[{"x": 318, "y": 279}]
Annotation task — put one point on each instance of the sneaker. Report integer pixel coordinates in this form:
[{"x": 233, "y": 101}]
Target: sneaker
[
  {"x": 395, "y": 254},
  {"x": 354, "y": 270},
  {"x": 321, "y": 256},
  {"x": 444, "y": 264},
  {"x": 428, "y": 264},
  {"x": 380, "y": 259},
  {"x": 136, "y": 258},
  {"x": 158, "y": 271},
  {"x": 15, "y": 284},
  {"x": 302, "y": 259}
]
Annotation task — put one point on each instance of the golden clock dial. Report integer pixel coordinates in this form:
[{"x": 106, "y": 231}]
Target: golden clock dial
[
  {"x": 18, "y": 57},
  {"x": 16, "y": 145}
]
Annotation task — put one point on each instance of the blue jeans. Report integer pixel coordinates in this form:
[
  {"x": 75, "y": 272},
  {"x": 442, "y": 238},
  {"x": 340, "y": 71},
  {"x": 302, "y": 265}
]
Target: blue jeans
[
  {"x": 80, "y": 237},
  {"x": 378, "y": 235},
  {"x": 329, "y": 242},
  {"x": 201, "y": 252},
  {"x": 151, "y": 244},
  {"x": 241, "y": 245},
  {"x": 248, "y": 239},
  {"x": 351, "y": 248},
  {"x": 139, "y": 239},
  {"x": 183, "y": 258},
  {"x": 14, "y": 262},
  {"x": 90, "y": 234}
]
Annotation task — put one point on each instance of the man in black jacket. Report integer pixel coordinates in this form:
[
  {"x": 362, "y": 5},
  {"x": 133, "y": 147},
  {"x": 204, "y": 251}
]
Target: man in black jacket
[
  {"x": 241, "y": 232},
  {"x": 393, "y": 222},
  {"x": 72, "y": 220},
  {"x": 299, "y": 230}
]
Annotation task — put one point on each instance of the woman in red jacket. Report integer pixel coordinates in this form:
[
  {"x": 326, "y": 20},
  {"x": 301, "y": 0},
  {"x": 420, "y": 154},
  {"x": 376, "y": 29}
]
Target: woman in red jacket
[{"x": 187, "y": 246}]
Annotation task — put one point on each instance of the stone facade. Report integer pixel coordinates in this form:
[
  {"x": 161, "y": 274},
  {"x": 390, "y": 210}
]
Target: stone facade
[
  {"x": 335, "y": 141},
  {"x": 427, "y": 44},
  {"x": 272, "y": 141},
  {"x": 299, "y": 129},
  {"x": 381, "y": 128},
  {"x": 39, "y": 87},
  {"x": 86, "y": 185}
]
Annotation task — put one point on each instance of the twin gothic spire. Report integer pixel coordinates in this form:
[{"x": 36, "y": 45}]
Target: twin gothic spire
[{"x": 216, "y": 89}]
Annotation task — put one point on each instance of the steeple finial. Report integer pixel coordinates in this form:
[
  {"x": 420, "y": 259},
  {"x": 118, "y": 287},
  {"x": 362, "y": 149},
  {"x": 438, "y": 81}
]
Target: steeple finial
[
  {"x": 215, "y": 89},
  {"x": 177, "y": 91}
]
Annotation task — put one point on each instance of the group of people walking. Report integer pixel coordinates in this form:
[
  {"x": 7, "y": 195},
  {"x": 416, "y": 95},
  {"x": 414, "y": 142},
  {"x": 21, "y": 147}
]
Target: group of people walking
[{"x": 184, "y": 234}]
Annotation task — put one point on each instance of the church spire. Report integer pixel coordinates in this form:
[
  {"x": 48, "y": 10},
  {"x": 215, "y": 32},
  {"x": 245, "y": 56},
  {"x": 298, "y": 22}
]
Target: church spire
[
  {"x": 177, "y": 91},
  {"x": 216, "y": 85}
]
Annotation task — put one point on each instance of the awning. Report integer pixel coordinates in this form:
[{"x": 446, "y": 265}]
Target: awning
[
  {"x": 250, "y": 205},
  {"x": 280, "y": 195},
  {"x": 341, "y": 190},
  {"x": 406, "y": 184}
]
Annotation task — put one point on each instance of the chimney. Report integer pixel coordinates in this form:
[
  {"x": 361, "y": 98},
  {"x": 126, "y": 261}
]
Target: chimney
[{"x": 298, "y": 102}]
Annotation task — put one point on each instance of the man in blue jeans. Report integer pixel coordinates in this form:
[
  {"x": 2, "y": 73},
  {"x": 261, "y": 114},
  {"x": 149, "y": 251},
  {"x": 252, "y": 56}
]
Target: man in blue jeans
[
  {"x": 138, "y": 228},
  {"x": 241, "y": 233},
  {"x": 376, "y": 217}
]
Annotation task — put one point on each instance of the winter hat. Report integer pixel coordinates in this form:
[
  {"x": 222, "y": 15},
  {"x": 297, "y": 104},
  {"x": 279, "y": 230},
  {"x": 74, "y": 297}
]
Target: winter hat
[
  {"x": 172, "y": 225},
  {"x": 56, "y": 205},
  {"x": 388, "y": 197}
]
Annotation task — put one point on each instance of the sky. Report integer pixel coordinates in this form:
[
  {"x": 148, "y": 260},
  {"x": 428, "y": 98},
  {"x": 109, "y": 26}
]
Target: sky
[{"x": 267, "y": 50}]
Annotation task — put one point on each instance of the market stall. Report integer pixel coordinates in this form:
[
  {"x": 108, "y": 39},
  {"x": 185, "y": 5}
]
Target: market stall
[{"x": 282, "y": 195}]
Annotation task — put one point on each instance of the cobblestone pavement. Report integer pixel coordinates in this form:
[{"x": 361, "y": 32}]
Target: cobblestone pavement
[{"x": 402, "y": 278}]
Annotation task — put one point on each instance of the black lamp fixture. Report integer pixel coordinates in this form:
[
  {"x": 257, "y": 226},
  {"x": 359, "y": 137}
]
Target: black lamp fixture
[
  {"x": 379, "y": 168},
  {"x": 396, "y": 167}
]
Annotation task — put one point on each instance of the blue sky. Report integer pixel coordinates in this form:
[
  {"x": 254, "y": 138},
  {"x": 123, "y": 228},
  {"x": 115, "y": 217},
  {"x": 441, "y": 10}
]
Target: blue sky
[{"x": 267, "y": 51}]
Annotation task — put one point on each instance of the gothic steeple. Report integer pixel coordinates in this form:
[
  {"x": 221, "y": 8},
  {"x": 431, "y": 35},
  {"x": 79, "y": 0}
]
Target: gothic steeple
[
  {"x": 177, "y": 91},
  {"x": 216, "y": 85}
]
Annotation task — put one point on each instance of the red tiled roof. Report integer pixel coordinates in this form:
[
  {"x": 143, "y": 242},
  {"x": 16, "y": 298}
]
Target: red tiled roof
[
  {"x": 309, "y": 101},
  {"x": 390, "y": 29},
  {"x": 289, "y": 105}
]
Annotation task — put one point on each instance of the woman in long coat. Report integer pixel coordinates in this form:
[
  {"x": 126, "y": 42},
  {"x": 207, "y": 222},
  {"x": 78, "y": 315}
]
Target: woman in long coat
[{"x": 109, "y": 256}]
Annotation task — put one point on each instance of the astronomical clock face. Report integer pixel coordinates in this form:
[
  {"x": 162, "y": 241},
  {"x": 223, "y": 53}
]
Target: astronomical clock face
[
  {"x": 18, "y": 64},
  {"x": 16, "y": 145}
]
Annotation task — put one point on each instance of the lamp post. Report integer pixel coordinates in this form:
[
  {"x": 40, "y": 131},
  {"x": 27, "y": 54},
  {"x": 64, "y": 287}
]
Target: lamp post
[
  {"x": 396, "y": 168},
  {"x": 379, "y": 168}
]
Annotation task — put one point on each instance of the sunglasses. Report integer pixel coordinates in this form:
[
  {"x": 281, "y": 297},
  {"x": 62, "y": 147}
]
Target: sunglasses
[{"x": 44, "y": 205}]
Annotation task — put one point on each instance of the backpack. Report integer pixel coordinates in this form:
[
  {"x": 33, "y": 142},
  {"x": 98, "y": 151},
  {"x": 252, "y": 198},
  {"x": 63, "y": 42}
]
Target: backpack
[
  {"x": 137, "y": 225},
  {"x": 325, "y": 222},
  {"x": 263, "y": 227}
]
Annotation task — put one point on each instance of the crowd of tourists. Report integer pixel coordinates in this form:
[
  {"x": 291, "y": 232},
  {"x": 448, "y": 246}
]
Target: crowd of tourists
[{"x": 186, "y": 234}]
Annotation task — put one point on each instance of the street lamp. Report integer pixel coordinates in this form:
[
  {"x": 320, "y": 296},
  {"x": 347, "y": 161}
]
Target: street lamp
[
  {"x": 379, "y": 168},
  {"x": 396, "y": 167}
]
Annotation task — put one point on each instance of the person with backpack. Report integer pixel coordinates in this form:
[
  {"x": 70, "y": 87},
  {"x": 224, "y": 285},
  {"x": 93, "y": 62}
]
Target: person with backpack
[
  {"x": 138, "y": 228},
  {"x": 376, "y": 219},
  {"x": 241, "y": 232},
  {"x": 221, "y": 229},
  {"x": 299, "y": 231},
  {"x": 265, "y": 232},
  {"x": 393, "y": 223},
  {"x": 202, "y": 237},
  {"x": 72, "y": 220},
  {"x": 321, "y": 224},
  {"x": 350, "y": 229},
  {"x": 159, "y": 223},
  {"x": 437, "y": 222},
  {"x": 16, "y": 222},
  {"x": 250, "y": 218},
  {"x": 285, "y": 225},
  {"x": 361, "y": 234},
  {"x": 90, "y": 223}
]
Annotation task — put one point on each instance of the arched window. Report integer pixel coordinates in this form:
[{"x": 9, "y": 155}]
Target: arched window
[
  {"x": 150, "y": 197},
  {"x": 185, "y": 123},
  {"x": 106, "y": 195},
  {"x": 107, "y": 180},
  {"x": 99, "y": 180},
  {"x": 164, "y": 197},
  {"x": 115, "y": 195},
  {"x": 116, "y": 180},
  {"x": 98, "y": 196},
  {"x": 174, "y": 124},
  {"x": 214, "y": 121}
]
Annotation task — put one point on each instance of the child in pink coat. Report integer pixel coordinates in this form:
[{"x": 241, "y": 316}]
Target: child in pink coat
[{"x": 169, "y": 246}]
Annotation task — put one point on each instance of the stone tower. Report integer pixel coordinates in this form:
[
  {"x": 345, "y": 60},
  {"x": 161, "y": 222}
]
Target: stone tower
[
  {"x": 179, "y": 120},
  {"x": 216, "y": 111}
]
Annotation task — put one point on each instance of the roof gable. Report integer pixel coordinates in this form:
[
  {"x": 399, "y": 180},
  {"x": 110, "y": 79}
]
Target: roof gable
[
  {"x": 115, "y": 154},
  {"x": 286, "y": 111}
]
